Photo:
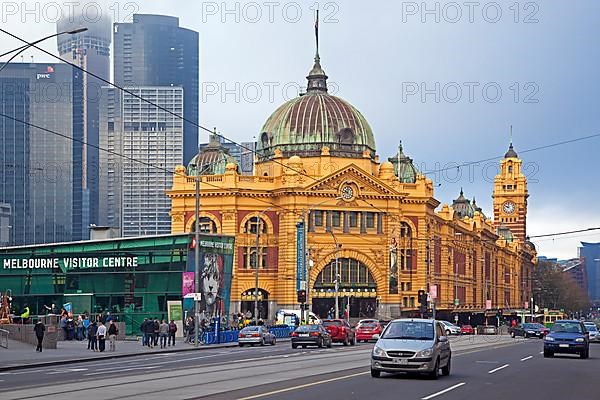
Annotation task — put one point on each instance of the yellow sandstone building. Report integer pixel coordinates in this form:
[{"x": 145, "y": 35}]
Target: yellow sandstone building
[{"x": 316, "y": 162}]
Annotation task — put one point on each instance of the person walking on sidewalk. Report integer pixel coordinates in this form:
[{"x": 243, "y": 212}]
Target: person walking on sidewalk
[
  {"x": 163, "y": 331},
  {"x": 92, "y": 331},
  {"x": 172, "y": 331},
  {"x": 156, "y": 332},
  {"x": 101, "y": 333},
  {"x": 39, "y": 329},
  {"x": 112, "y": 335}
]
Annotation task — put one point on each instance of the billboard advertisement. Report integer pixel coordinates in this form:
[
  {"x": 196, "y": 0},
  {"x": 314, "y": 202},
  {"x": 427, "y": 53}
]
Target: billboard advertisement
[{"x": 216, "y": 265}]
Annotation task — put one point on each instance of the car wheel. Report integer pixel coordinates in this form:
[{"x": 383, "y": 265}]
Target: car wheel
[
  {"x": 303, "y": 346},
  {"x": 548, "y": 353},
  {"x": 584, "y": 354},
  {"x": 262, "y": 342},
  {"x": 294, "y": 346},
  {"x": 353, "y": 342},
  {"x": 274, "y": 341},
  {"x": 375, "y": 373},
  {"x": 320, "y": 343},
  {"x": 446, "y": 369},
  {"x": 241, "y": 344},
  {"x": 329, "y": 344},
  {"x": 435, "y": 373},
  {"x": 448, "y": 332},
  {"x": 346, "y": 341}
]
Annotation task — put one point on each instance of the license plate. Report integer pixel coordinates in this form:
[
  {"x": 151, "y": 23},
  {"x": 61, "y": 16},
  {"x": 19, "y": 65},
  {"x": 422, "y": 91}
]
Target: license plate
[
  {"x": 248, "y": 335},
  {"x": 303, "y": 335},
  {"x": 563, "y": 345},
  {"x": 400, "y": 361}
]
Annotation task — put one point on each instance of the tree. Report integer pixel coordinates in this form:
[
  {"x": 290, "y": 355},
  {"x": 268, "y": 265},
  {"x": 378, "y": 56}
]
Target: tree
[{"x": 555, "y": 289}]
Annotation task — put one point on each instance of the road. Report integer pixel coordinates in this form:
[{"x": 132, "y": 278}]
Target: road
[{"x": 481, "y": 369}]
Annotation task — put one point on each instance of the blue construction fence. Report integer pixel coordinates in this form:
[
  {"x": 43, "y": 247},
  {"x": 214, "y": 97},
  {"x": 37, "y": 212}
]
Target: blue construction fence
[{"x": 232, "y": 335}]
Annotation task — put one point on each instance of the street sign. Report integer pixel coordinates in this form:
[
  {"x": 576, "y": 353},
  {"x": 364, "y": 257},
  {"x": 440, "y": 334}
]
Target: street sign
[
  {"x": 195, "y": 296},
  {"x": 488, "y": 304},
  {"x": 433, "y": 292},
  {"x": 302, "y": 285},
  {"x": 456, "y": 319}
]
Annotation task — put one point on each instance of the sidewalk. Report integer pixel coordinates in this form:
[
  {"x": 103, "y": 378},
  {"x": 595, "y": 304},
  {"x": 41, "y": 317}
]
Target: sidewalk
[{"x": 22, "y": 355}]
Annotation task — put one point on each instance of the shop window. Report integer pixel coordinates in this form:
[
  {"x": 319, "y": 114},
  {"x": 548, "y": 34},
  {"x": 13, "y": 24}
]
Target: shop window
[{"x": 336, "y": 219}]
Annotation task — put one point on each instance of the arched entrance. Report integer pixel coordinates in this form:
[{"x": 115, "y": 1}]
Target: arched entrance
[
  {"x": 247, "y": 303},
  {"x": 357, "y": 290}
]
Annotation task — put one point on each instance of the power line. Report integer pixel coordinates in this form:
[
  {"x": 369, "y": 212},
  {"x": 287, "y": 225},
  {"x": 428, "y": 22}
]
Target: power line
[{"x": 565, "y": 233}]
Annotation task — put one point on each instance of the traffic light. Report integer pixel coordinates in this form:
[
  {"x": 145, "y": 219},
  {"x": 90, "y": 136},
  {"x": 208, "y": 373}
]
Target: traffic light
[
  {"x": 422, "y": 296},
  {"x": 301, "y": 296}
]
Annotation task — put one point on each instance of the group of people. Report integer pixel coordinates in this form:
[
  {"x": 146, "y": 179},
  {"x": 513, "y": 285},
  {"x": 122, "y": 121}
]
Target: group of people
[
  {"x": 154, "y": 331},
  {"x": 98, "y": 331}
]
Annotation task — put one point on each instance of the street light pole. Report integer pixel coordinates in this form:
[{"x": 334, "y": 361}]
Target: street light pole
[
  {"x": 256, "y": 263},
  {"x": 197, "y": 258},
  {"x": 337, "y": 277}
]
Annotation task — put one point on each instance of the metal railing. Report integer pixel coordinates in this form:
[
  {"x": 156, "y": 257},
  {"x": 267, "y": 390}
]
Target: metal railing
[{"x": 4, "y": 338}]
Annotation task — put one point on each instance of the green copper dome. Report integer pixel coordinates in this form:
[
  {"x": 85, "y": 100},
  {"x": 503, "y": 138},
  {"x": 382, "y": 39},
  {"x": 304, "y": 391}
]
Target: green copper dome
[
  {"x": 211, "y": 160},
  {"x": 304, "y": 125},
  {"x": 404, "y": 168}
]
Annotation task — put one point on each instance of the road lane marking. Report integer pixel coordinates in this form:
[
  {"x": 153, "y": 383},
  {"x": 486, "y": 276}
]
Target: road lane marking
[
  {"x": 431, "y": 396},
  {"x": 303, "y": 386},
  {"x": 488, "y": 362},
  {"x": 526, "y": 358},
  {"x": 541, "y": 352},
  {"x": 498, "y": 369},
  {"x": 120, "y": 370}
]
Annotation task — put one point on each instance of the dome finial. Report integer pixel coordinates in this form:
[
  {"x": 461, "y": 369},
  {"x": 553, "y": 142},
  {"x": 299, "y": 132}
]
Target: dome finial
[
  {"x": 511, "y": 153},
  {"x": 317, "y": 80},
  {"x": 461, "y": 191}
]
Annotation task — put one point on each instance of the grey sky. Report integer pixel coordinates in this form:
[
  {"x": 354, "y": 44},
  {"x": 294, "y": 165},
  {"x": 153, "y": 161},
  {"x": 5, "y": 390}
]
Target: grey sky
[{"x": 379, "y": 53}]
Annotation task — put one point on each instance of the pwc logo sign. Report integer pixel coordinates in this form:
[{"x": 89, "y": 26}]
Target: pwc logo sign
[{"x": 45, "y": 75}]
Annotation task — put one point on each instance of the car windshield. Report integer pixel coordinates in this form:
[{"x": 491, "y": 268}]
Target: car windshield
[
  {"x": 591, "y": 327},
  {"x": 250, "y": 329},
  {"x": 412, "y": 330},
  {"x": 307, "y": 328},
  {"x": 530, "y": 326},
  {"x": 369, "y": 325},
  {"x": 332, "y": 323},
  {"x": 566, "y": 327}
]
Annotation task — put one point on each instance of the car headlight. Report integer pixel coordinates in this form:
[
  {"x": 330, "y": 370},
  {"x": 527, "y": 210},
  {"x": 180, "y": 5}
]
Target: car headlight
[
  {"x": 549, "y": 339},
  {"x": 425, "y": 353},
  {"x": 580, "y": 339},
  {"x": 530, "y": 332},
  {"x": 378, "y": 351}
]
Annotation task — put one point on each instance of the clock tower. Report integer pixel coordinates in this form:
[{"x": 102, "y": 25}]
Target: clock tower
[{"x": 510, "y": 195}]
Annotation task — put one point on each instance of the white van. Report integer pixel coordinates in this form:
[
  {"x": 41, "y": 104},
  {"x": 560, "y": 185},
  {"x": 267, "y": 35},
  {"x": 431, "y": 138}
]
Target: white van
[{"x": 288, "y": 317}]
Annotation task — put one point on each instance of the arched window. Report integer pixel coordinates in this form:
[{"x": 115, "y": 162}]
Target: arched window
[
  {"x": 255, "y": 224},
  {"x": 206, "y": 226},
  {"x": 352, "y": 274},
  {"x": 405, "y": 247}
]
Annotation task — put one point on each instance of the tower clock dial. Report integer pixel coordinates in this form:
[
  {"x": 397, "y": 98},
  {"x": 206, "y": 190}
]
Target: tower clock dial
[{"x": 508, "y": 207}]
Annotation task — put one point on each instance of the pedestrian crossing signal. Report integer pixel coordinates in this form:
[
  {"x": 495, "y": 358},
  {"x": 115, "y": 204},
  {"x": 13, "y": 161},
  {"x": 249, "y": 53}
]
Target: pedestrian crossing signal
[{"x": 301, "y": 296}]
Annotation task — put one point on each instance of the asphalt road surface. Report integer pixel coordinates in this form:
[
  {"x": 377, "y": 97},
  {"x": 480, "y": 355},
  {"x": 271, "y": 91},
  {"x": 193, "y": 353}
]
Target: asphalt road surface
[{"x": 480, "y": 370}]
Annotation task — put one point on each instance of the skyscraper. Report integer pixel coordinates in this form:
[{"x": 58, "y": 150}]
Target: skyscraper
[
  {"x": 91, "y": 51},
  {"x": 589, "y": 253},
  {"x": 151, "y": 140},
  {"x": 154, "y": 51},
  {"x": 38, "y": 167}
]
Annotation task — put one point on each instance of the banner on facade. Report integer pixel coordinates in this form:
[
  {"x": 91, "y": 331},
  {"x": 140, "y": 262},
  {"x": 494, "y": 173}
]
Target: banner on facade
[
  {"x": 393, "y": 281},
  {"x": 300, "y": 256},
  {"x": 187, "y": 285},
  {"x": 216, "y": 265}
]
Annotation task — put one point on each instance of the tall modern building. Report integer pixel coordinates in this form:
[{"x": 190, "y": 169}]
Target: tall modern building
[
  {"x": 38, "y": 168},
  {"x": 91, "y": 51},
  {"x": 151, "y": 141},
  {"x": 154, "y": 51},
  {"x": 589, "y": 253}
]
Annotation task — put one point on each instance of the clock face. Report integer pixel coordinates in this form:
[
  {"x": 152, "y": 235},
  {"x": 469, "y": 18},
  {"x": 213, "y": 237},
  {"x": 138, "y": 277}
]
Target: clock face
[
  {"x": 347, "y": 192},
  {"x": 508, "y": 207}
]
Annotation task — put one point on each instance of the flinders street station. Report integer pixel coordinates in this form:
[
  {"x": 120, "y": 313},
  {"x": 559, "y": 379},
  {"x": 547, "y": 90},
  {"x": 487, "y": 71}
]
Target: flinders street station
[{"x": 320, "y": 194}]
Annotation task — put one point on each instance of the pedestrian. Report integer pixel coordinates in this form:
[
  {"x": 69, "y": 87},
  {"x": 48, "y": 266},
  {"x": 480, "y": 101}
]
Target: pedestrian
[
  {"x": 101, "y": 333},
  {"x": 172, "y": 331},
  {"x": 156, "y": 329},
  {"x": 92, "y": 340},
  {"x": 113, "y": 331},
  {"x": 163, "y": 331},
  {"x": 79, "y": 327},
  {"x": 39, "y": 329},
  {"x": 86, "y": 325}
]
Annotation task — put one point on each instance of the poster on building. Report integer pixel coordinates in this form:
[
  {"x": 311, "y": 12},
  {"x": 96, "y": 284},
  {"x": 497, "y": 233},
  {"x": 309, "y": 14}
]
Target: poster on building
[
  {"x": 187, "y": 284},
  {"x": 216, "y": 265},
  {"x": 175, "y": 311},
  {"x": 300, "y": 257},
  {"x": 393, "y": 281}
]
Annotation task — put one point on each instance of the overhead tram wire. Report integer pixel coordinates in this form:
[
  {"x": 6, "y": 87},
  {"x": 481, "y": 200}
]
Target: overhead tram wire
[{"x": 251, "y": 150}]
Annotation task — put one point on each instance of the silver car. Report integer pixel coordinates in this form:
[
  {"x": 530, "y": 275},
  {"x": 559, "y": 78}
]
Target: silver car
[
  {"x": 255, "y": 335},
  {"x": 412, "y": 345},
  {"x": 593, "y": 331}
]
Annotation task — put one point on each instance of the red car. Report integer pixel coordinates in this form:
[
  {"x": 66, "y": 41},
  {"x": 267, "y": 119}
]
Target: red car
[
  {"x": 366, "y": 330},
  {"x": 340, "y": 331},
  {"x": 467, "y": 330}
]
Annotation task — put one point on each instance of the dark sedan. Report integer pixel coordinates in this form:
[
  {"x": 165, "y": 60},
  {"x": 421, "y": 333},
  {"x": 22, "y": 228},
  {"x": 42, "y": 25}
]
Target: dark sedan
[
  {"x": 311, "y": 335},
  {"x": 567, "y": 336},
  {"x": 528, "y": 330}
]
